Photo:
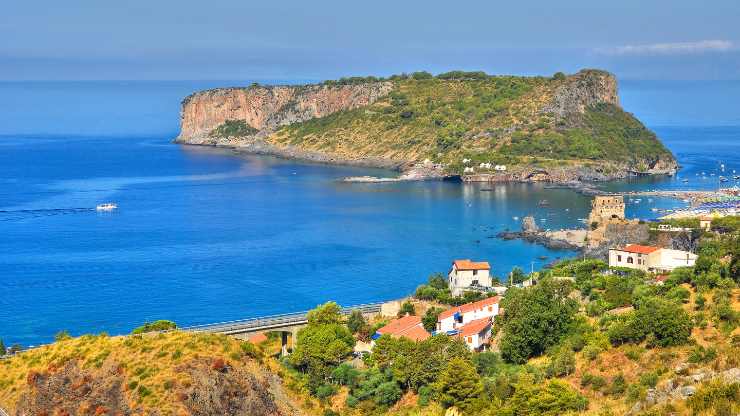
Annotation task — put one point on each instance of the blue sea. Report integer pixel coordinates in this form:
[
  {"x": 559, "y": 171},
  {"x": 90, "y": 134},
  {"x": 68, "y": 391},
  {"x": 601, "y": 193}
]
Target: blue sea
[{"x": 204, "y": 235}]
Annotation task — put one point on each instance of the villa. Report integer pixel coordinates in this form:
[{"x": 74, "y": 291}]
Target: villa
[
  {"x": 649, "y": 258},
  {"x": 467, "y": 275}
]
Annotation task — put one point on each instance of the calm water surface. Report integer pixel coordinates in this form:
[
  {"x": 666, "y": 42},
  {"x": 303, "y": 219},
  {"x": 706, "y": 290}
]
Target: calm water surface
[{"x": 203, "y": 235}]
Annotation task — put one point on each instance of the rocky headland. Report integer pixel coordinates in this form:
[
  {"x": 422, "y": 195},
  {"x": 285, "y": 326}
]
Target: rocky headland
[{"x": 478, "y": 127}]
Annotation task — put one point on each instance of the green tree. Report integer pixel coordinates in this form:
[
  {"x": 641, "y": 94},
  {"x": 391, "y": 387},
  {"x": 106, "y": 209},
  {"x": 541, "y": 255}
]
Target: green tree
[
  {"x": 535, "y": 319},
  {"x": 358, "y": 325},
  {"x": 438, "y": 281},
  {"x": 553, "y": 399},
  {"x": 2, "y": 348},
  {"x": 429, "y": 320},
  {"x": 517, "y": 275},
  {"x": 459, "y": 384},
  {"x": 322, "y": 344}
]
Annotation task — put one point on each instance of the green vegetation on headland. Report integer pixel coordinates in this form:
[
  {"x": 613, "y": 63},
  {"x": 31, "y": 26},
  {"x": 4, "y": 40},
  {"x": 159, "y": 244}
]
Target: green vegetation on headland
[
  {"x": 508, "y": 120},
  {"x": 233, "y": 128}
]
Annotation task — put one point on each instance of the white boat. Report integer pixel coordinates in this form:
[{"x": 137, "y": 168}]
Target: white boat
[{"x": 108, "y": 206}]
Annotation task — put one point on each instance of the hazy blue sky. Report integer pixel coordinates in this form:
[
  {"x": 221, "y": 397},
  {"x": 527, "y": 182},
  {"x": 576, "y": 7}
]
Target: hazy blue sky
[{"x": 246, "y": 39}]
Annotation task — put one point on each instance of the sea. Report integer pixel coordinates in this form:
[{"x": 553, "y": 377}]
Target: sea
[{"x": 204, "y": 235}]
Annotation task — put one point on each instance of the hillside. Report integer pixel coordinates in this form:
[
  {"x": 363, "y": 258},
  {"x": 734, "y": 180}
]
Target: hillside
[
  {"x": 166, "y": 374},
  {"x": 557, "y": 128}
]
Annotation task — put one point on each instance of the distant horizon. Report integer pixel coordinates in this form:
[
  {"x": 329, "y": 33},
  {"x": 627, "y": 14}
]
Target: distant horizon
[{"x": 189, "y": 40}]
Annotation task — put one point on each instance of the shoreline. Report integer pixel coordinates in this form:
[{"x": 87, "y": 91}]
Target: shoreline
[{"x": 577, "y": 178}]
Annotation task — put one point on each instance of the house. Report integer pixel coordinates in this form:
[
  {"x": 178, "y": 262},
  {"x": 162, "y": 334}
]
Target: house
[
  {"x": 467, "y": 275},
  {"x": 476, "y": 334},
  {"x": 453, "y": 319},
  {"x": 409, "y": 326},
  {"x": 649, "y": 258},
  {"x": 705, "y": 223}
]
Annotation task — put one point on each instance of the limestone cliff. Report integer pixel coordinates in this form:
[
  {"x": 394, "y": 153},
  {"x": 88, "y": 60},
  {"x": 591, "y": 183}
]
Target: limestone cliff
[{"x": 266, "y": 108}]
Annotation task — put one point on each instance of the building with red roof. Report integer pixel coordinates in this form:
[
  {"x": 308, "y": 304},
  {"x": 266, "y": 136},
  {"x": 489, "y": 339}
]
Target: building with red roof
[
  {"x": 409, "y": 326},
  {"x": 466, "y": 275},
  {"x": 476, "y": 334},
  {"x": 650, "y": 258},
  {"x": 453, "y": 319}
]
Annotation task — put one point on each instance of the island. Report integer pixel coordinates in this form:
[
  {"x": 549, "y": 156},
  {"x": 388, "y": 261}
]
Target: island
[{"x": 469, "y": 125}]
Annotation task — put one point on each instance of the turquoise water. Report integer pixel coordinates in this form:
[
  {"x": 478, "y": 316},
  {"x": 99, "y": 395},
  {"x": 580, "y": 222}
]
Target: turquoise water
[{"x": 203, "y": 235}]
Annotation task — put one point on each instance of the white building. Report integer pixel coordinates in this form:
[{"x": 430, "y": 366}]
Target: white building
[
  {"x": 476, "y": 334},
  {"x": 650, "y": 259},
  {"x": 453, "y": 319},
  {"x": 467, "y": 275}
]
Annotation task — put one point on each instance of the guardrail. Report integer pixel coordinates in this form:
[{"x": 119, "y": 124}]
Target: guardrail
[
  {"x": 272, "y": 321},
  {"x": 3, "y": 412}
]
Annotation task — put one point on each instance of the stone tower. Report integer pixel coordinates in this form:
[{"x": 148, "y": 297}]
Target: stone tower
[{"x": 605, "y": 208}]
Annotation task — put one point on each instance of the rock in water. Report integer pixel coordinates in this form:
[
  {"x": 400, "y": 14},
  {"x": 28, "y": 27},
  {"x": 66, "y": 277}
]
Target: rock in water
[{"x": 529, "y": 225}]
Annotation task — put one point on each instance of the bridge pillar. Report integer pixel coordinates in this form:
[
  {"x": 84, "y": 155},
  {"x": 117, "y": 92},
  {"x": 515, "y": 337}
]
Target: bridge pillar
[{"x": 284, "y": 343}]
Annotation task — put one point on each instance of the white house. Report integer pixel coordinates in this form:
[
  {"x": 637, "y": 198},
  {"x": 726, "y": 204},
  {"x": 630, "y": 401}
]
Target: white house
[
  {"x": 467, "y": 275},
  {"x": 476, "y": 334},
  {"x": 453, "y": 319},
  {"x": 650, "y": 259}
]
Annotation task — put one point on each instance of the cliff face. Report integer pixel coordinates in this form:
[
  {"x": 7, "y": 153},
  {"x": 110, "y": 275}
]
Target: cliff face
[
  {"x": 267, "y": 108},
  {"x": 581, "y": 91}
]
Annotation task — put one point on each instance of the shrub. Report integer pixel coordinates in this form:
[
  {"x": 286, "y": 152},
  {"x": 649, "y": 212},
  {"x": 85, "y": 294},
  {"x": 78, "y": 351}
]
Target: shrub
[
  {"x": 702, "y": 355},
  {"x": 161, "y": 325},
  {"x": 407, "y": 308},
  {"x": 387, "y": 393},
  {"x": 233, "y": 128},
  {"x": 324, "y": 391},
  {"x": 618, "y": 386},
  {"x": 710, "y": 394},
  {"x": 663, "y": 323},
  {"x": 649, "y": 379},
  {"x": 61, "y": 336},
  {"x": 562, "y": 363},
  {"x": 635, "y": 393}
]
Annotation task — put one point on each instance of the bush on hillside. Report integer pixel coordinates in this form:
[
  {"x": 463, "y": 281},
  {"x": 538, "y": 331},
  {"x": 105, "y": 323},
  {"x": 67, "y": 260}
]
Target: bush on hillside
[{"x": 161, "y": 325}]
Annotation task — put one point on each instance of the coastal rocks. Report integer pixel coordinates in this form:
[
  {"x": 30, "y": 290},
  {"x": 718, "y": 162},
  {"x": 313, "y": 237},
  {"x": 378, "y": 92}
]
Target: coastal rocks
[
  {"x": 266, "y": 108},
  {"x": 529, "y": 225}
]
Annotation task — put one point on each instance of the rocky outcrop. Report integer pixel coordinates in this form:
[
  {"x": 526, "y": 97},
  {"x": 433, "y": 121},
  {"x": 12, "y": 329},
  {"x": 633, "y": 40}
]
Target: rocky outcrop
[
  {"x": 585, "y": 89},
  {"x": 266, "y": 108},
  {"x": 683, "y": 386}
]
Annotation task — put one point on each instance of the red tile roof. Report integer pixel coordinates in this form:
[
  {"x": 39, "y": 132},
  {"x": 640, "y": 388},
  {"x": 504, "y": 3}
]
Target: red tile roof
[
  {"x": 408, "y": 326},
  {"x": 636, "y": 248},
  {"x": 469, "y": 307},
  {"x": 475, "y": 327},
  {"x": 471, "y": 265}
]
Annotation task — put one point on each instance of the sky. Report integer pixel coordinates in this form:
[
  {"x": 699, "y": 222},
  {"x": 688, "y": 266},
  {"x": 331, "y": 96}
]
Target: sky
[{"x": 279, "y": 39}]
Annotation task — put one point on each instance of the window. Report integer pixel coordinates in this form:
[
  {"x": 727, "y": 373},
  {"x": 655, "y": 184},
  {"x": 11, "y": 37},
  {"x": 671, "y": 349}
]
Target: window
[
  {"x": 490, "y": 309},
  {"x": 474, "y": 283},
  {"x": 475, "y": 272},
  {"x": 619, "y": 257},
  {"x": 470, "y": 340},
  {"x": 630, "y": 260}
]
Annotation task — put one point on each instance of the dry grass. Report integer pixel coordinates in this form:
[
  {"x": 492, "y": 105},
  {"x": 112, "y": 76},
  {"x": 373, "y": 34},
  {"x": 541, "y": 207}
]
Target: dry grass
[{"x": 151, "y": 361}]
